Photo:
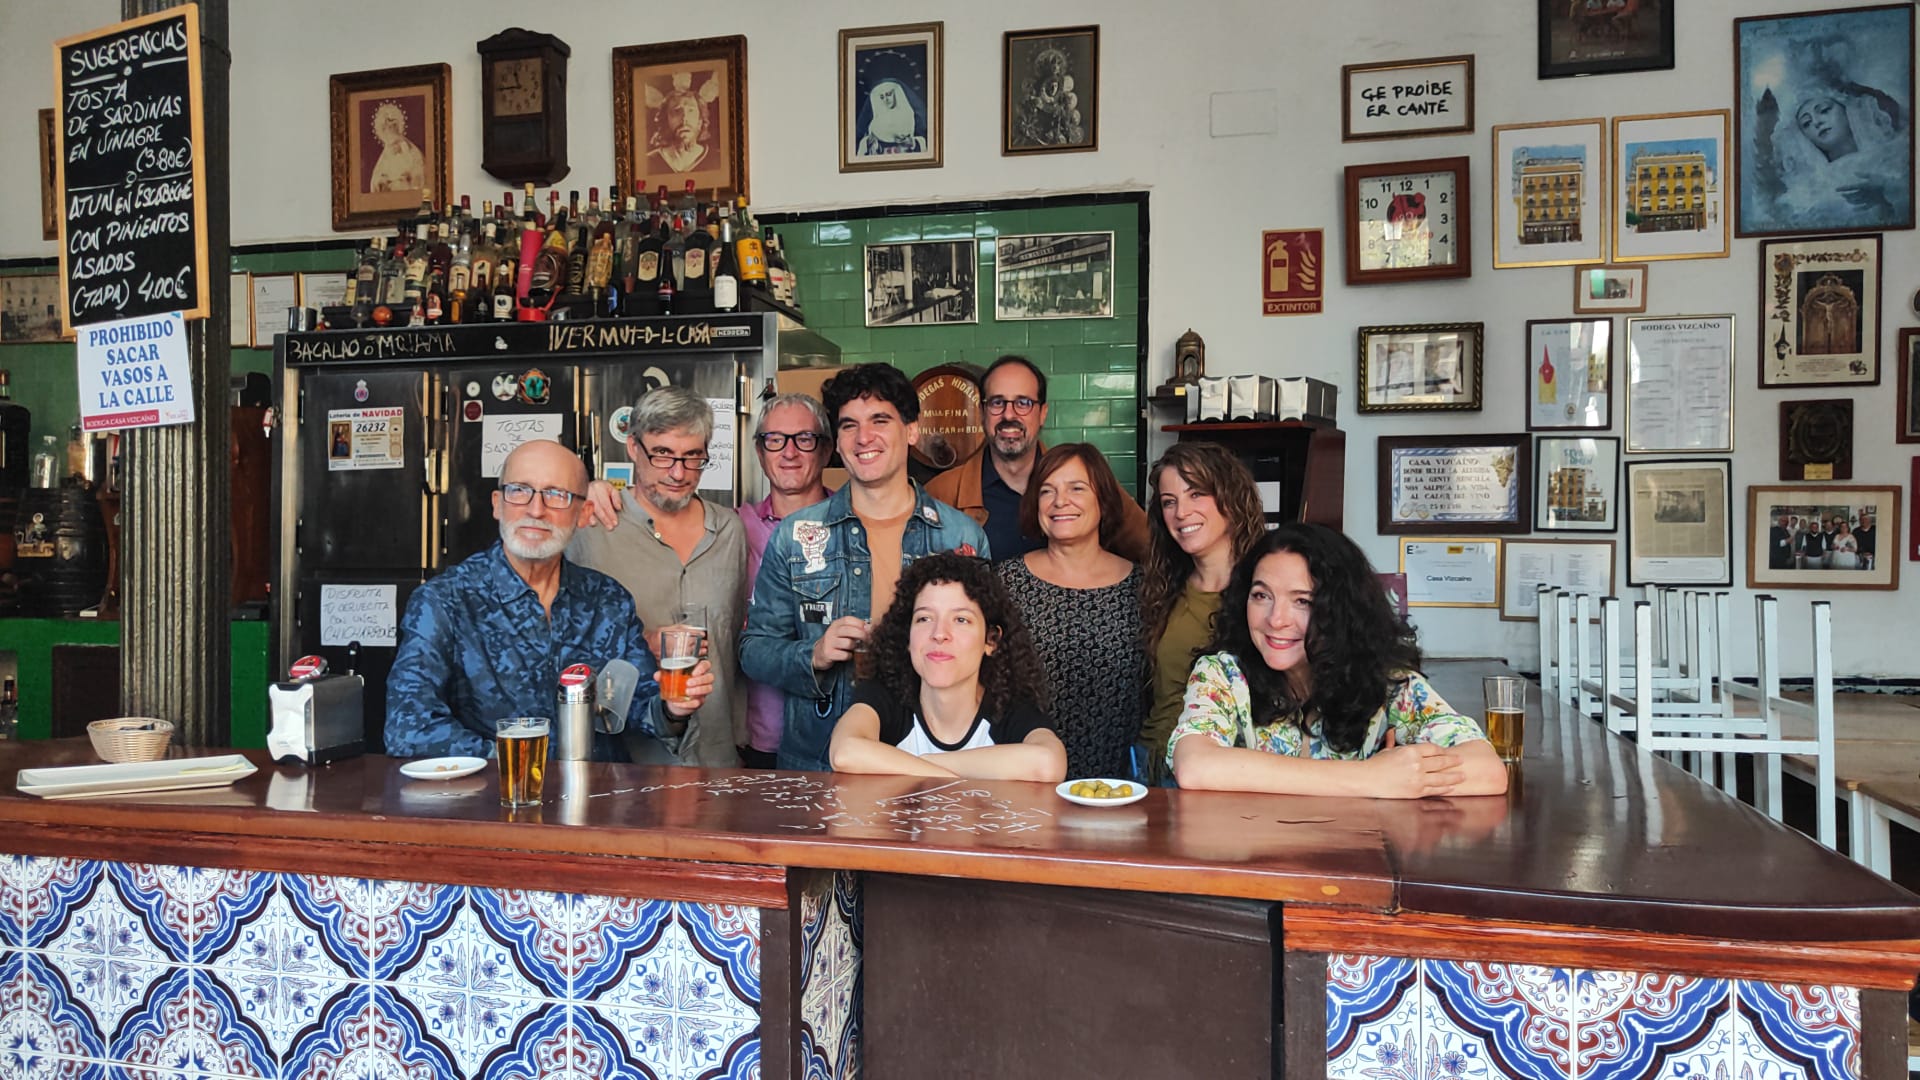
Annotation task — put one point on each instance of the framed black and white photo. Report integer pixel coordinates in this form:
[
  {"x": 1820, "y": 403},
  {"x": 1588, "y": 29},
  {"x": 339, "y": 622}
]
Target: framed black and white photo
[
  {"x": 890, "y": 97},
  {"x": 1401, "y": 99},
  {"x": 1050, "y": 90},
  {"x": 1823, "y": 537},
  {"x": 1053, "y": 276},
  {"x": 1680, "y": 522},
  {"x": 921, "y": 282},
  {"x": 1577, "y": 484},
  {"x": 1431, "y": 367},
  {"x": 1820, "y": 311},
  {"x": 29, "y": 308},
  {"x": 1679, "y": 384},
  {"x": 1906, "y": 422},
  {"x": 1441, "y": 484},
  {"x": 1578, "y": 566},
  {"x": 1569, "y": 374}
]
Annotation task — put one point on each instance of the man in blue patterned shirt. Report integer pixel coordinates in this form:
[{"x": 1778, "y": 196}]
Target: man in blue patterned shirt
[{"x": 489, "y": 637}]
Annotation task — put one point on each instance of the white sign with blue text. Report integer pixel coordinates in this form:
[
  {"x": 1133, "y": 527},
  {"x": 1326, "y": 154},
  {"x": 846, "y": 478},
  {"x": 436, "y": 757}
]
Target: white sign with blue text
[{"x": 133, "y": 373}]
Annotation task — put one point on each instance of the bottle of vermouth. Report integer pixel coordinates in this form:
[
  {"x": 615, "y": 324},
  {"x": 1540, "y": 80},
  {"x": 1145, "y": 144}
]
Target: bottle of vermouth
[
  {"x": 418, "y": 260},
  {"x": 578, "y": 241},
  {"x": 600, "y": 233},
  {"x": 693, "y": 293},
  {"x": 726, "y": 266},
  {"x": 643, "y": 290}
]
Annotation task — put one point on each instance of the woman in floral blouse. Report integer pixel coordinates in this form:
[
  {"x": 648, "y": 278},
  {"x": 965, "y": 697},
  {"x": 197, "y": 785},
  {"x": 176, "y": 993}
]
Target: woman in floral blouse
[{"x": 1310, "y": 687}]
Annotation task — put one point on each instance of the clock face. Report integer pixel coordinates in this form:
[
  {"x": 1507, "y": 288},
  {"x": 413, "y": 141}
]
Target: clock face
[
  {"x": 1408, "y": 221},
  {"x": 518, "y": 87}
]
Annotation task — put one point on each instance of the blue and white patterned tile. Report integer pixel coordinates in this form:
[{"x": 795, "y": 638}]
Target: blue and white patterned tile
[
  {"x": 162, "y": 1034},
  {"x": 1639, "y": 1024},
  {"x": 44, "y": 893},
  {"x": 56, "y": 1068},
  {"x": 606, "y": 933},
  {"x": 830, "y": 980},
  {"x": 176, "y": 903},
  {"x": 674, "y": 1009},
  {"x": 13, "y": 901},
  {"x": 1373, "y": 1016},
  {"x": 40, "y": 1024},
  {"x": 1794, "y": 1030},
  {"x": 552, "y": 1046},
  {"x": 106, "y": 954},
  {"x": 536, "y": 928},
  {"x": 368, "y": 1033},
  {"x": 229, "y": 1037},
  {"x": 335, "y": 1048},
  {"x": 467, "y": 989},
  {"x": 377, "y": 927},
  {"x": 278, "y": 968},
  {"x": 727, "y": 935},
  {"x": 1511, "y": 1019}
]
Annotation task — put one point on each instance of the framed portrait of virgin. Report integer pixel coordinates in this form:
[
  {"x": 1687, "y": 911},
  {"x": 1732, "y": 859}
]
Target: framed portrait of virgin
[{"x": 392, "y": 142}]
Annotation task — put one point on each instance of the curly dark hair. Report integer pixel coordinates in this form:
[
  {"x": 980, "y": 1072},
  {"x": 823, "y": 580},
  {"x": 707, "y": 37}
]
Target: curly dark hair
[
  {"x": 882, "y": 382},
  {"x": 1011, "y": 673},
  {"x": 1207, "y": 467},
  {"x": 1358, "y": 646},
  {"x": 1106, "y": 490}
]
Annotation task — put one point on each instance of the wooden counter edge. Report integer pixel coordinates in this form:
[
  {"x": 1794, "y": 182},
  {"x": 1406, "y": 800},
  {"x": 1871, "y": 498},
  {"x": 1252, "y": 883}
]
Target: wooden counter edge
[{"x": 1873, "y": 965}]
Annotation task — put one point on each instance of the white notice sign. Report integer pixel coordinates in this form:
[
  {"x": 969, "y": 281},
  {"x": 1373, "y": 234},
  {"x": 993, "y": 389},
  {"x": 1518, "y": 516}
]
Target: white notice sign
[
  {"x": 500, "y": 435},
  {"x": 719, "y": 475},
  {"x": 366, "y": 438},
  {"x": 133, "y": 373},
  {"x": 363, "y": 613}
]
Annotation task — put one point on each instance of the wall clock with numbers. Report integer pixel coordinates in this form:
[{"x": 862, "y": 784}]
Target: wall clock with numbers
[{"x": 1407, "y": 221}]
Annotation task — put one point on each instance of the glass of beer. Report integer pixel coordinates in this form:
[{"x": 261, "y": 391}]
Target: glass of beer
[
  {"x": 679, "y": 652},
  {"x": 520, "y": 744},
  {"x": 1506, "y": 714}
]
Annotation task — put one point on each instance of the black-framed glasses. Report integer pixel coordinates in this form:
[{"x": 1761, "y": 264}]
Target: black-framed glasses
[
  {"x": 1021, "y": 405},
  {"x": 691, "y": 462},
  {"x": 775, "y": 441},
  {"x": 522, "y": 494}
]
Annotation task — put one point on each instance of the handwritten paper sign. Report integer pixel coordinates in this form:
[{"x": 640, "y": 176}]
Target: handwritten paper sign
[
  {"x": 133, "y": 373},
  {"x": 726, "y": 428},
  {"x": 501, "y": 435},
  {"x": 1408, "y": 97},
  {"x": 367, "y": 614}
]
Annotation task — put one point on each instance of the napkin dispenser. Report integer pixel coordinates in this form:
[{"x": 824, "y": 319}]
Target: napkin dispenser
[
  {"x": 1251, "y": 397},
  {"x": 1208, "y": 400},
  {"x": 316, "y": 718}
]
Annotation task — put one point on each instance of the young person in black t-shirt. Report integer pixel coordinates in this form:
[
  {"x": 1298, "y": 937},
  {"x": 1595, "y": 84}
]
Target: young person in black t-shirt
[{"x": 956, "y": 689}]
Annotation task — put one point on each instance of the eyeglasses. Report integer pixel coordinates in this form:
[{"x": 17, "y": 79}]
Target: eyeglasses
[
  {"x": 775, "y": 441},
  {"x": 691, "y": 462},
  {"x": 522, "y": 494},
  {"x": 1021, "y": 405}
]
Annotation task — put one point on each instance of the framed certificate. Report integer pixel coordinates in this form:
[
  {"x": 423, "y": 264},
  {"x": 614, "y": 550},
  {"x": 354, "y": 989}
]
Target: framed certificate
[
  {"x": 1451, "y": 572},
  {"x": 1441, "y": 484},
  {"x": 1680, "y": 522},
  {"x": 1577, "y": 484},
  {"x": 272, "y": 295},
  {"x": 1679, "y": 384},
  {"x": 1581, "y": 566}
]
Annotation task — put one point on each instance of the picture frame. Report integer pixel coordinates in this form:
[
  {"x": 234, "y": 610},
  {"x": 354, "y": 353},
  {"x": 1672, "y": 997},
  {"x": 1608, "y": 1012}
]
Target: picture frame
[
  {"x": 1820, "y": 311},
  {"x": 323, "y": 288},
  {"x": 1824, "y": 118},
  {"x": 1427, "y": 367},
  {"x": 1913, "y": 509},
  {"x": 1605, "y": 39},
  {"x": 1451, "y": 572},
  {"x": 1050, "y": 91},
  {"x": 1053, "y": 276},
  {"x": 1569, "y": 374},
  {"x": 1857, "y": 546},
  {"x": 1610, "y": 289},
  {"x": 240, "y": 310},
  {"x": 1409, "y": 221},
  {"x": 29, "y": 308},
  {"x": 1679, "y": 384},
  {"x": 1654, "y": 217},
  {"x": 1549, "y": 193},
  {"x": 1438, "y": 485},
  {"x": 892, "y": 75},
  {"x": 392, "y": 138},
  {"x": 657, "y": 89},
  {"x": 1575, "y": 565},
  {"x": 921, "y": 282},
  {"x": 1576, "y": 483},
  {"x": 1816, "y": 440},
  {"x": 1403, "y": 99},
  {"x": 268, "y": 297},
  {"x": 1680, "y": 522},
  {"x": 49, "y": 201},
  {"x": 1906, "y": 420}
]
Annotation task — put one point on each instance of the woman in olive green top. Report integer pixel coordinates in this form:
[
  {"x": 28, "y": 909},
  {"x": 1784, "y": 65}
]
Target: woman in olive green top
[{"x": 1204, "y": 514}]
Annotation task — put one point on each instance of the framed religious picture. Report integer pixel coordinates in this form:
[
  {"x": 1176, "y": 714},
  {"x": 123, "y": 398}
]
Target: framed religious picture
[
  {"x": 1820, "y": 302},
  {"x": 1576, "y": 484},
  {"x": 49, "y": 202},
  {"x": 1816, "y": 439},
  {"x": 1441, "y": 484},
  {"x": 1432, "y": 367},
  {"x": 1680, "y": 522},
  {"x": 1549, "y": 193},
  {"x": 1408, "y": 221},
  {"x": 1578, "y": 566},
  {"x": 922, "y": 282},
  {"x": 1823, "y": 537},
  {"x": 1459, "y": 571},
  {"x": 1825, "y": 120},
  {"x": 1906, "y": 423},
  {"x": 1668, "y": 195},
  {"x": 890, "y": 97},
  {"x": 392, "y": 138},
  {"x": 1050, "y": 90},
  {"x": 1053, "y": 276},
  {"x": 1569, "y": 372},
  {"x": 680, "y": 117},
  {"x": 1679, "y": 384},
  {"x": 1611, "y": 289},
  {"x": 1402, "y": 99},
  {"x": 1599, "y": 37}
]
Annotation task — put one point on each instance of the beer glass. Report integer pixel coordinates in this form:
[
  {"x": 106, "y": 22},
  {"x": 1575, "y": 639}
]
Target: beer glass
[
  {"x": 520, "y": 745},
  {"x": 1506, "y": 714},
  {"x": 679, "y": 652}
]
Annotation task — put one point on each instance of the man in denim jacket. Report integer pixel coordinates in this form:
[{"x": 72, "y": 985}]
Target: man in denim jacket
[{"x": 830, "y": 569}]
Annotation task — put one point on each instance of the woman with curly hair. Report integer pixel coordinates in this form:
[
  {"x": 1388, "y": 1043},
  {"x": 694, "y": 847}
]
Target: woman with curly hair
[
  {"x": 956, "y": 689},
  {"x": 1311, "y": 687}
]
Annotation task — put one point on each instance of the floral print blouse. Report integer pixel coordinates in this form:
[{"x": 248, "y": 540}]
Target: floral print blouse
[{"x": 1219, "y": 708}]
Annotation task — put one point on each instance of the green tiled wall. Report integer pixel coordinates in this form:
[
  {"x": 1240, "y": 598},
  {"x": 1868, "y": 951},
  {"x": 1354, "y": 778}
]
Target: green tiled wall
[{"x": 1092, "y": 365}]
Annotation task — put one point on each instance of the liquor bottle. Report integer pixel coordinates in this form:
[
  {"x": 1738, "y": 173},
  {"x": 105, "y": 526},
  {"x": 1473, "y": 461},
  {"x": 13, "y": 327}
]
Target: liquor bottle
[
  {"x": 643, "y": 290},
  {"x": 749, "y": 250},
  {"x": 425, "y": 215},
  {"x": 550, "y": 265},
  {"x": 726, "y": 268},
  {"x": 577, "y": 243},
  {"x": 418, "y": 260},
  {"x": 9, "y": 711},
  {"x": 1549, "y": 392},
  {"x": 485, "y": 263},
  {"x": 530, "y": 243},
  {"x": 694, "y": 290},
  {"x": 626, "y": 244},
  {"x": 366, "y": 274},
  {"x": 460, "y": 278},
  {"x": 779, "y": 278},
  {"x": 392, "y": 276},
  {"x": 15, "y": 421},
  {"x": 439, "y": 269}
]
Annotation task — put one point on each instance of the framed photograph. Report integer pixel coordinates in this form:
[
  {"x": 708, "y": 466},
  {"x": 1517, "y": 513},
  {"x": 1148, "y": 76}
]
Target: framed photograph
[
  {"x": 922, "y": 282},
  {"x": 1569, "y": 372},
  {"x": 1816, "y": 440},
  {"x": 1680, "y": 522},
  {"x": 1441, "y": 484},
  {"x": 1433, "y": 367},
  {"x": 890, "y": 97},
  {"x": 1613, "y": 288},
  {"x": 1405, "y": 98},
  {"x": 1549, "y": 193},
  {"x": 49, "y": 202},
  {"x": 680, "y": 117},
  {"x": 1053, "y": 276},
  {"x": 240, "y": 310},
  {"x": 1668, "y": 194},
  {"x": 1050, "y": 90},
  {"x": 1599, "y": 37},
  {"x": 1906, "y": 423},
  {"x": 392, "y": 137},
  {"x": 1451, "y": 572},
  {"x": 1823, "y": 537},
  {"x": 1408, "y": 221},
  {"x": 1577, "y": 485},
  {"x": 323, "y": 289},
  {"x": 1821, "y": 303},
  {"x": 1679, "y": 384},
  {"x": 1582, "y": 566},
  {"x": 1825, "y": 120},
  {"x": 29, "y": 308}
]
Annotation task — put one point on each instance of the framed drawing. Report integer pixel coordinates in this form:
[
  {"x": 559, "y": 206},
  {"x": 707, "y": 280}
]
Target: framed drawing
[
  {"x": 890, "y": 97},
  {"x": 924, "y": 282},
  {"x": 1604, "y": 36},
  {"x": 29, "y": 308},
  {"x": 1053, "y": 276},
  {"x": 1816, "y": 440},
  {"x": 392, "y": 136},
  {"x": 1050, "y": 90},
  {"x": 1577, "y": 485},
  {"x": 49, "y": 202},
  {"x": 1440, "y": 484},
  {"x": 1434, "y": 367},
  {"x": 1581, "y": 566},
  {"x": 1680, "y": 522},
  {"x": 1906, "y": 422},
  {"x": 1821, "y": 299},
  {"x": 1408, "y": 221},
  {"x": 1668, "y": 195},
  {"x": 1614, "y": 288},
  {"x": 1460, "y": 571},
  {"x": 1549, "y": 193},
  {"x": 680, "y": 117},
  {"x": 1679, "y": 384},
  {"x": 1569, "y": 373},
  {"x": 1823, "y": 537},
  {"x": 1825, "y": 120},
  {"x": 1406, "y": 98}
]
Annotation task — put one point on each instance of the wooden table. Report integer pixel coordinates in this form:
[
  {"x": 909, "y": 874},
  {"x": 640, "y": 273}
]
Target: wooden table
[{"x": 1876, "y": 768}]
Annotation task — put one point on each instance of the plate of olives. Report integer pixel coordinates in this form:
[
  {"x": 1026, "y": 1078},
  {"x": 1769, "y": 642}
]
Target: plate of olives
[{"x": 1096, "y": 792}]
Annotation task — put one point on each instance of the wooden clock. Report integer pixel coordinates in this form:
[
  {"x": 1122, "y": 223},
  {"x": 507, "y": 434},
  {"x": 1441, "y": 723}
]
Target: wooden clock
[
  {"x": 523, "y": 106},
  {"x": 1407, "y": 221}
]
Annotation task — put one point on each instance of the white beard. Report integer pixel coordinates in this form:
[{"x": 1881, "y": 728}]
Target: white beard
[{"x": 556, "y": 542}]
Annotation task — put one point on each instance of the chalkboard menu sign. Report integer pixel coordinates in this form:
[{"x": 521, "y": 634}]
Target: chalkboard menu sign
[{"x": 129, "y": 172}]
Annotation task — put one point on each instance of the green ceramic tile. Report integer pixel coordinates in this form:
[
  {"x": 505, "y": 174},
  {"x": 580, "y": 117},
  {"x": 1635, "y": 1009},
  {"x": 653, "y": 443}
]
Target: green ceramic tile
[
  {"x": 892, "y": 230},
  {"x": 1053, "y": 332},
  {"x": 835, "y": 287},
  {"x": 831, "y": 233},
  {"x": 1107, "y": 331},
  {"x": 1109, "y": 384},
  {"x": 948, "y": 227},
  {"x": 1082, "y": 413},
  {"x": 1126, "y": 302},
  {"x": 1079, "y": 360},
  {"x": 1112, "y": 440},
  {"x": 1123, "y": 357}
]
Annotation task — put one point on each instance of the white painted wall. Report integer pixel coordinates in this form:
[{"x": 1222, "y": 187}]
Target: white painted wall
[{"x": 1210, "y": 196}]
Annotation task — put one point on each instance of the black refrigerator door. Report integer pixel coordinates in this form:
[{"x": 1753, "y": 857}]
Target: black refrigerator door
[
  {"x": 363, "y": 502},
  {"x": 612, "y": 386},
  {"x": 371, "y": 662},
  {"x": 490, "y": 410}
]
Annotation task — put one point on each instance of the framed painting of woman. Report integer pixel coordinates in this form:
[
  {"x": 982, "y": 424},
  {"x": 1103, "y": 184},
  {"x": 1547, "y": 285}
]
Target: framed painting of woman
[{"x": 392, "y": 144}]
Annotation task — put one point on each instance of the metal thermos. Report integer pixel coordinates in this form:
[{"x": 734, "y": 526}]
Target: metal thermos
[{"x": 573, "y": 723}]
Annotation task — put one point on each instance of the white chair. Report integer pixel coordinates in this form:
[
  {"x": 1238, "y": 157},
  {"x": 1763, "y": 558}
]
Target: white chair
[{"x": 1546, "y": 606}]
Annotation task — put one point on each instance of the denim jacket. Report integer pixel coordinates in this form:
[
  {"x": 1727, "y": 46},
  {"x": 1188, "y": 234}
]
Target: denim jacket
[{"x": 810, "y": 579}]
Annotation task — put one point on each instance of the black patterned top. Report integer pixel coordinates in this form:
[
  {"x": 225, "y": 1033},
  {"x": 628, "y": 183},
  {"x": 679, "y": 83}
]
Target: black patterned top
[{"x": 1089, "y": 640}]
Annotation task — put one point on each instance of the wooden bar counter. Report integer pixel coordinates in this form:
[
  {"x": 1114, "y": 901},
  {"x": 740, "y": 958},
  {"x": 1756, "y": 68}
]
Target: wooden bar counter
[{"x": 1610, "y": 916}]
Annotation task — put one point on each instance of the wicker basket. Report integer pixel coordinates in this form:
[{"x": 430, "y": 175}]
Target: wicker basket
[{"x": 130, "y": 738}]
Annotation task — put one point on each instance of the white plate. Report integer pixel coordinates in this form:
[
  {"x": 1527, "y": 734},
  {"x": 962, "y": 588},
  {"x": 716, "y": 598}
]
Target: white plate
[
  {"x": 134, "y": 777},
  {"x": 443, "y": 768},
  {"x": 1065, "y": 791}
]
